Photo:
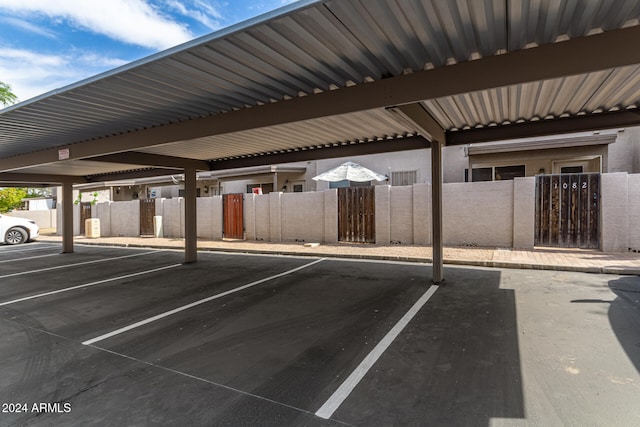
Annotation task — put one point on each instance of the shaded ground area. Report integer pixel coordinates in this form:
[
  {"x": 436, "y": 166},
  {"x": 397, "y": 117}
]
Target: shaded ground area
[{"x": 248, "y": 340}]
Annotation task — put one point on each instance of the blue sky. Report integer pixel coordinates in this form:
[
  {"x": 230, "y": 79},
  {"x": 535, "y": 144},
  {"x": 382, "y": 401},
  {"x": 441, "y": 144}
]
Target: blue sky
[{"x": 48, "y": 44}]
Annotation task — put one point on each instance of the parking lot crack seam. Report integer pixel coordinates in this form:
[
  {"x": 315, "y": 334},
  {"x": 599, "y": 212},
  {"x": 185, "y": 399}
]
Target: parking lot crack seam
[
  {"x": 164, "y": 368},
  {"x": 213, "y": 383},
  {"x": 197, "y": 303}
]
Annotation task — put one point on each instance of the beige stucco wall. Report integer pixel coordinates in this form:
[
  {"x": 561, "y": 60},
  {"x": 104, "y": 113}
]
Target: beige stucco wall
[
  {"x": 401, "y": 215},
  {"x": 385, "y": 164},
  {"x": 262, "y": 218},
  {"x": 478, "y": 214},
  {"x": 535, "y": 161},
  {"x": 422, "y": 214},
  {"x": 209, "y": 217},
  {"x": 615, "y": 212},
  {"x": 625, "y": 152},
  {"x": 302, "y": 216},
  {"x": 44, "y": 218},
  {"x": 125, "y": 218},
  {"x": 524, "y": 205},
  {"x": 634, "y": 211},
  {"x": 493, "y": 214},
  {"x": 172, "y": 217}
]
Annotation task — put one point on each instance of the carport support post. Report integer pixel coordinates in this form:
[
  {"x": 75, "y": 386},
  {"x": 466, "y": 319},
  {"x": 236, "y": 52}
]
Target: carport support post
[
  {"x": 436, "y": 211},
  {"x": 67, "y": 217},
  {"x": 190, "y": 217},
  {"x": 431, "y": 129}
]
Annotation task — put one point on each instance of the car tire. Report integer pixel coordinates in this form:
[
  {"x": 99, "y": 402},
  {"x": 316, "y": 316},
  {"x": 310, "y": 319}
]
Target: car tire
[{"x": 15, "y": 236}]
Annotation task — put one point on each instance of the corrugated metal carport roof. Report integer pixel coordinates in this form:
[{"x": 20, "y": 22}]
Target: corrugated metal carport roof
[{"x": 319, "y": 73}]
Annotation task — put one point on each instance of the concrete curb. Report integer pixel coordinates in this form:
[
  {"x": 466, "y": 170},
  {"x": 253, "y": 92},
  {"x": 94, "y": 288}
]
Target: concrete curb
[{"x": 456, "y": 262}]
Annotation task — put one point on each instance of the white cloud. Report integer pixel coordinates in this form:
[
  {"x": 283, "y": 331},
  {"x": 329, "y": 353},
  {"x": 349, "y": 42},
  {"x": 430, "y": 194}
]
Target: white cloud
[
  {"x": 130, "y": 21},
  {"x": 28, "y": 26},
  {"x": 31, "y": 74},
  {"x": 200, "y": 11}
]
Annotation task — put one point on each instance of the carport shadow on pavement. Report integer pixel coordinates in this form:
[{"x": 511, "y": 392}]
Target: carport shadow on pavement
[
  {"x": 624, "y": 315},
  {"x": 457, "y": 363}
]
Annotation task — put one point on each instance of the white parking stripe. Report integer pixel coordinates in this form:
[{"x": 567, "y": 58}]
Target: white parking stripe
[
  {"x": 194, "y": 304},
  {"x": 76, "y": 264},
  {"x": 339, "y": 396},
  {"x": 30, "y": 248},
  {"x": 86, "y": 285},
  {"x": 27, "y": 258}
]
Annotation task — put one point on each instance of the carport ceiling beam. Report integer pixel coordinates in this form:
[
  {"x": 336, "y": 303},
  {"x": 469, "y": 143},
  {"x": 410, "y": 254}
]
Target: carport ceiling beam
[
  {"x": 606, "y": 120},
  {"x": 427, "y": 125},
  {"x": 319, "y": 153},
  {"x": 581, "y": 55},
  {"x": 135, "y": 174},
  {"x": 35, "y": 178},
  {"x": 154, "y": 160}
]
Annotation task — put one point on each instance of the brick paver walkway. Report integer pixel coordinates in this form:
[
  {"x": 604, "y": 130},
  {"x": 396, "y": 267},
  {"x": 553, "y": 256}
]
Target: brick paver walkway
[{"x": 539, "y": 258}]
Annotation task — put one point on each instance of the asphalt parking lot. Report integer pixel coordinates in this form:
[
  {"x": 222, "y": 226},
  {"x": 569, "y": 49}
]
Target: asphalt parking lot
[{"x": 121, "y": 336}]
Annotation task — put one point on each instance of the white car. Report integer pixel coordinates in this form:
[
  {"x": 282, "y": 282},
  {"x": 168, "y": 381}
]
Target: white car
[{"x": 15, "y": 230}]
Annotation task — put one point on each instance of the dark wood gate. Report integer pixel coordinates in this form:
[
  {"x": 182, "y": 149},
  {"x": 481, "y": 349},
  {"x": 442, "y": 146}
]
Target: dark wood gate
[
  {"x": 233, "y": 218},
  {"x": 85, "y": 214},
  {"x": 568, "y": 211},
  {"x": 147, "y": 212},
  {"x": 357, "y": 215}
]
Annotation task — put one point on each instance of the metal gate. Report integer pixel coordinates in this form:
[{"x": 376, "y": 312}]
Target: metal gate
[
  {"x": 147, "y": 212},
  {"x": 233, "y": 219},
  {"x": 356, "y": 215},
  {"x": 85, "y": 214},
  {"x": 568, "y": 211}
]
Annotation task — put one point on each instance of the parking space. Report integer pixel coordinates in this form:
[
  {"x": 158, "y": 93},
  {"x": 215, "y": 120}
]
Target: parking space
[{"x": 117, "y": 336}]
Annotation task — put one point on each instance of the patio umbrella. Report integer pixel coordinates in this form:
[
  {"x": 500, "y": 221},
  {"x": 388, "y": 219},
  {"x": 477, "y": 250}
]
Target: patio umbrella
[{"x": 349, "y": 171}]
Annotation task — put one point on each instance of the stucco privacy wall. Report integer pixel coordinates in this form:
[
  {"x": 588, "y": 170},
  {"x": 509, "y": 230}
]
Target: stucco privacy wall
[
  {"x": 474, "y": 214},
  {"x": 614, "y": 213},
  {"x": 44, "y": 218},
  {"x": 308, "y": 217},
  {"x": 209, "y": 219},
  {"x": 499, "y": 214},
  {"x": 478, "y": 214},
  {"x": 125, "y": 218},
  {"x": 620, "y": 214},
  {"x": 634, "y": 212}
]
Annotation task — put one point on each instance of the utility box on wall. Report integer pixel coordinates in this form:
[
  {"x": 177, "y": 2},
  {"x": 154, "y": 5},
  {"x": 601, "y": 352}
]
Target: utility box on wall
[{"x": 92, "y": 228}]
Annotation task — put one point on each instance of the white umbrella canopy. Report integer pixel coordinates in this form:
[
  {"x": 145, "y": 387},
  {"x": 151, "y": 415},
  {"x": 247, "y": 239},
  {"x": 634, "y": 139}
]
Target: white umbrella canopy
[{"x": 349, "y": 171}]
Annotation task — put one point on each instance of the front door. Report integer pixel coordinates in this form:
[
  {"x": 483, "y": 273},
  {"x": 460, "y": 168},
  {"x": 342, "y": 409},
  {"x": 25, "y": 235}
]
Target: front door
[
  {"x": 147, "y": 212},
  {"x": 233, "y": 223}
]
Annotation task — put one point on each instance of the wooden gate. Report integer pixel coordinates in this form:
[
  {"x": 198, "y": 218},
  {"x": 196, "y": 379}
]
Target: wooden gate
[
  {"x": 147, "y": 212},
  {"x": 356, "y": 215},
  {"x": 85, "y": 214},
  {"x": 233, "y": 218},
  {"x": 568, "y": 211}
]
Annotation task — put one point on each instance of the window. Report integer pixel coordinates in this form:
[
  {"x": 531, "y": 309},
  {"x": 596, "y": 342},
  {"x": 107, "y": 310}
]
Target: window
[
  {"x": 497, "y": 173},
  {"x": 266, "y": 188},
  {"x": 479, "y": 174},
  {"x": 298, "y": 188},
  {"x": 504, "y": 173},
  {"x": 404, "y": 178},
  {"x": 571, "y": 169}
]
